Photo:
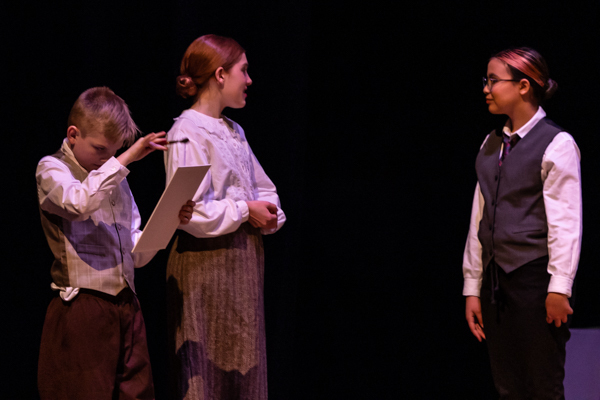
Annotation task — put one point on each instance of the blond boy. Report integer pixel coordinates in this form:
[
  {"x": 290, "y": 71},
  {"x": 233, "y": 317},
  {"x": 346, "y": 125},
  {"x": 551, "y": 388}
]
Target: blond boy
[{"x": 94, "y": 341}]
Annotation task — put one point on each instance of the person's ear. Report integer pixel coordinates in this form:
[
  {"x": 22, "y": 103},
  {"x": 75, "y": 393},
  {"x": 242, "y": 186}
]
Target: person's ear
[
  {"x": 220, "y": 75},
  {"x": 72, "y": 134},
  {"x": 524, "y": 86}
]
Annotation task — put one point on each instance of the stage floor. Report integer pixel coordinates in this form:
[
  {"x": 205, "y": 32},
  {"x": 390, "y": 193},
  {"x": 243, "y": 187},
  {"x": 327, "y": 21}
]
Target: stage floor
[{"x": 582, "y": 367}]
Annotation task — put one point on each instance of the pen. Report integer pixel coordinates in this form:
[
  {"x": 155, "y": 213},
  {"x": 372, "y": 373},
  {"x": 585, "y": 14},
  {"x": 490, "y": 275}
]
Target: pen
[{"x": 184, "y": 140}]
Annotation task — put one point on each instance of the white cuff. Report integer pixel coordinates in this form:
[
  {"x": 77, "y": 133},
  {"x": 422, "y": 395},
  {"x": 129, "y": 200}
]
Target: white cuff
[
  {"x": 472, "y": 287},
  {"x": 244, "y": 211},
  {"x": 560, "y": 284}
]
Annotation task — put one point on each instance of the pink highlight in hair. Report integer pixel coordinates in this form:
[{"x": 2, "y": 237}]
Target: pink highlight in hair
[{"x": 517, "y": 59}]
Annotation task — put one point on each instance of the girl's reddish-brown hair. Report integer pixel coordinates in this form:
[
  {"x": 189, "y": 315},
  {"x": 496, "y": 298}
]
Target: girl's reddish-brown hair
[{"x": 202, "y": 59}]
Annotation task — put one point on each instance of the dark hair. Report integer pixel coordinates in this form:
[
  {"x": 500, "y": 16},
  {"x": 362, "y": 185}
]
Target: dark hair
[
  {"x": 202, "y": 58},
  {"x": 526, "y": 63}
]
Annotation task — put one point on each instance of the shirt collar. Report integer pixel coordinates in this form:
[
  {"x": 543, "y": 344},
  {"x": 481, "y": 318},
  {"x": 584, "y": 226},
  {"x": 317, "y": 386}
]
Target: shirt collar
[
  {"x": 524, "y": 130},
  {"x": 66, "y": 150},
  {"x": 212, "y": 125}
]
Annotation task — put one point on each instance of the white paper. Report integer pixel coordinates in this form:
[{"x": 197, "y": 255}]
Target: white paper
[{"x": 165, "y": 218}]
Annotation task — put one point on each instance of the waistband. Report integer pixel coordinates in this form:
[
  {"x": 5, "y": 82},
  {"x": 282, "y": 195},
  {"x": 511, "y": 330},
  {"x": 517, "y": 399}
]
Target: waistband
[{"x": 124, "y": 296}]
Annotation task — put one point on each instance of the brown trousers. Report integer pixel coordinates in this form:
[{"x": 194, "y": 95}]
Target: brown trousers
[{"x": 94, "y": 347}]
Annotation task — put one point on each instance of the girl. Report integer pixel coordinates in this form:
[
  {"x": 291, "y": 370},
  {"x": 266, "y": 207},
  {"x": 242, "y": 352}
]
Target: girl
[
  {"x": 215, "y": 269},
  {"x": 524, "y": 238}
]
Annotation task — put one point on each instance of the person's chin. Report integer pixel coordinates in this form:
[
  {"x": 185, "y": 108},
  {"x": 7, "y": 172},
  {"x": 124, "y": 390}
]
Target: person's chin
[{"x": 493, "y": 109}]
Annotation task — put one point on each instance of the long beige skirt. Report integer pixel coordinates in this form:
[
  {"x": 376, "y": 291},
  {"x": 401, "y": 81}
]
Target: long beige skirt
[{"x": 216, "y": 317}]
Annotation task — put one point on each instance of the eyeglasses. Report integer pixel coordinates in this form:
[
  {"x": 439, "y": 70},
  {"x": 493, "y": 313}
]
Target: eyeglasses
[{"x": 490, "y": 82}]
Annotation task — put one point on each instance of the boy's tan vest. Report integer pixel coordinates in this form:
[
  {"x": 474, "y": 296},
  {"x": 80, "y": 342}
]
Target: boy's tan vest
[{"x": 94, "y": 253}]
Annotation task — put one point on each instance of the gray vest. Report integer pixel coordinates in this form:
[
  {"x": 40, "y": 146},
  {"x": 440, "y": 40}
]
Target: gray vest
[{"x": 513, "y": 229}]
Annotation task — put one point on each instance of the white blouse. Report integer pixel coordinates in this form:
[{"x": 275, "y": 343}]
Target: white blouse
[{"x": 235, "y": 176}]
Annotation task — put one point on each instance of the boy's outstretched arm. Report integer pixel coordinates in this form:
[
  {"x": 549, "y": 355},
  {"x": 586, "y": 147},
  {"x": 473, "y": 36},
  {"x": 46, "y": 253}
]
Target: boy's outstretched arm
[
  {"x": 473, "y": 314},
  {"x": 142, "y": 147}
]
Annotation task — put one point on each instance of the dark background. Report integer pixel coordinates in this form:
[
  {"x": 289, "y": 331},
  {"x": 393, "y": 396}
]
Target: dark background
[{"x": 367, "y": 117}]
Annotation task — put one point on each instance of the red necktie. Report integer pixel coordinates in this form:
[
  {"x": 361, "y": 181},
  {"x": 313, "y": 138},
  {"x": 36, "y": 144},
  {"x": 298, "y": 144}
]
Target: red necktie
[{"x": 509, "y": 143}]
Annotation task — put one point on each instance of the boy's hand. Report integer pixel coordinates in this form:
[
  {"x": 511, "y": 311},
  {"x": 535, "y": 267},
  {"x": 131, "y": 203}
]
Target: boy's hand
[
  {"x": 142, "y": 147},
  {"x": 473, "y": 314},
  {"x": 557, "y": 308},
  {"x": 185, "y": 214},
  {"x": 262, "y": 214}
]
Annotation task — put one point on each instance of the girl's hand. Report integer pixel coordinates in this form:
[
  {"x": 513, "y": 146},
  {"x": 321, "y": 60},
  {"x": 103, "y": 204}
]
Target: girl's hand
[
  {"x": 185, "y": 214},
  {"x": 262, "y": 214}
]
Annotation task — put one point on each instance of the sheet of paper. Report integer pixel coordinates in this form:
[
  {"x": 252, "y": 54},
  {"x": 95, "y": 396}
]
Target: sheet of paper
[{"x": 165, "y": 218}]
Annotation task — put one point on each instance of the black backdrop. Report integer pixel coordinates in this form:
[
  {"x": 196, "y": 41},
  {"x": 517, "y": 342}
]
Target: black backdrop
[{"x": 367, "y": 117}]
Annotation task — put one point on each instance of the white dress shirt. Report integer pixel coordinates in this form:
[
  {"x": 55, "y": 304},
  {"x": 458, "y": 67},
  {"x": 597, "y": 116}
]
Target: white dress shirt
[
  {"x": 561, "y": 177},
  {"x": 235, "y": 176},
  {"x": 87, "y": 198}
]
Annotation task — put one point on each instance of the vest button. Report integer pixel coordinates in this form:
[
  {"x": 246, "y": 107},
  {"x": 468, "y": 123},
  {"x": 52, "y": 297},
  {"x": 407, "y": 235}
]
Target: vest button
[{"x": 496, "y": 177}]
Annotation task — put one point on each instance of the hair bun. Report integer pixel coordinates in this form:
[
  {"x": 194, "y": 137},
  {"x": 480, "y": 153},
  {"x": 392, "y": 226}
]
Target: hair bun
[
  {"x": 185, "y": 86},
  {"x": 551, "y": 87}
]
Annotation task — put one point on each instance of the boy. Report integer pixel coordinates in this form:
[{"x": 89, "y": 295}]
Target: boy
[{"x": 94, "y": 342}]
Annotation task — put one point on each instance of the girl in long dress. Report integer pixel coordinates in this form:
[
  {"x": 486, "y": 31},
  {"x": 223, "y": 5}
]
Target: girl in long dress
[{"x": 216, "y": 266}]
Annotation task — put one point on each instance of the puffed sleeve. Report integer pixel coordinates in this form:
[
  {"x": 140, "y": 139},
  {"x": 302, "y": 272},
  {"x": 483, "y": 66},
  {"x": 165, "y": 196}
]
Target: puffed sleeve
[
  {"x": 265, "y": 190},
  {"x": 212, "y": 217}
]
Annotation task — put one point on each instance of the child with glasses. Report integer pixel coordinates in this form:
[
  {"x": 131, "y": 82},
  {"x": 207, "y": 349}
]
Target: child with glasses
[{"x": 524, "y": 238}]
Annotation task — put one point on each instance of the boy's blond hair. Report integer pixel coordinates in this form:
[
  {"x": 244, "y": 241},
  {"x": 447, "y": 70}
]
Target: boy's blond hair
[{"x": 100, "y": 110}]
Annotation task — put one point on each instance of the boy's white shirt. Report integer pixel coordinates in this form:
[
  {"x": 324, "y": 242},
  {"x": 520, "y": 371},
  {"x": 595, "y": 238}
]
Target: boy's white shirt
[{"x": 75, "y": 200}]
